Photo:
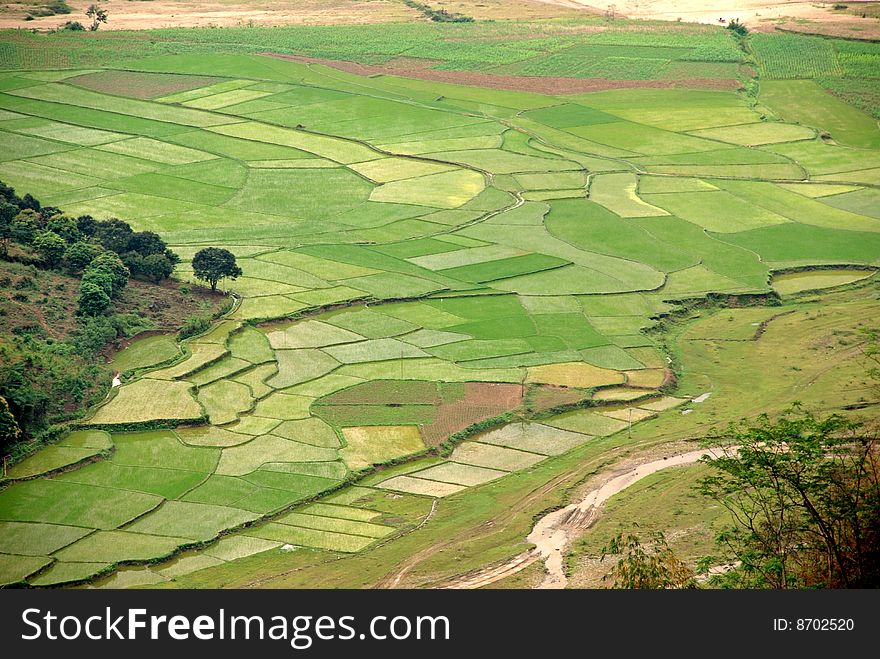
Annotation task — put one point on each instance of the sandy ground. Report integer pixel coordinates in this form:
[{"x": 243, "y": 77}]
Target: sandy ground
[
  {"x": 763, "y": 15},
  {"x": 554, "y": 532},
  {"x": 701, "y": 11},
  {"x": 145, "y": 14}
]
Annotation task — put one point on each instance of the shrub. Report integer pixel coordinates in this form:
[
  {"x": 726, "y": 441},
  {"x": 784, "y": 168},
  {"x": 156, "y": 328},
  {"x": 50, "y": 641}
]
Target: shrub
[
  {"x": 93, "y": 299},
  {"x": 80, "y": 255},
  {"x": 157, "y": 267},
  {"x": 194, "y": 325},
  {"x": 114, "y": 266},
  {"x": 64, "y": 226},
  {"x": 73, "y": 26},
  {"x": 738, "y": 28},
  {"x": 100, "y": 278},
  {"x": 24, "y": 228},
  {"x": 51, "y": 247}
]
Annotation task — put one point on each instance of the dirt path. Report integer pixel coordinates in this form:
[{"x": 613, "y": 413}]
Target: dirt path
[
  {"x": 395, "y": 577},
  {"x": 555, "y": 531}
]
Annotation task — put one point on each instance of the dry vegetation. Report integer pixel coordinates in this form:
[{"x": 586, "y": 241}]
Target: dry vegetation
[{"x": 146, "y": 14}]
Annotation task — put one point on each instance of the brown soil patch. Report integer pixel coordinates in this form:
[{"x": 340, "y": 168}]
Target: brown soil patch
[
  {"x": 134, "y": 84},
  {"x": 539, "y": 85},
  {"x": 868, "y": 29},
  {"x": 546, "y": 397},
  {"x": 481, "y": 401}
]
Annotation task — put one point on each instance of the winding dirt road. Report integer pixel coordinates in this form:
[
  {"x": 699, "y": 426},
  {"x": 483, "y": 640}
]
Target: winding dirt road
[{"x": 555, "y": 531}]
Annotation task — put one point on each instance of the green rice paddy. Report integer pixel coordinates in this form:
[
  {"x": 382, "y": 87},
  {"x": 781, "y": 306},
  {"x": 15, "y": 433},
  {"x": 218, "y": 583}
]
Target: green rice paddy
[{"x": 482, "y": 235}]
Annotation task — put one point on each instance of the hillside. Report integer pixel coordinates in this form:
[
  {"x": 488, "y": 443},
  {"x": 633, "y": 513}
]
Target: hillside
[{"x": 484, "y": 265}]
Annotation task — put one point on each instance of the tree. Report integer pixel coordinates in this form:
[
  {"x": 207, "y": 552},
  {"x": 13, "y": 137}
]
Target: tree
[
  {"x": 134, "y": 262},
  {"x": 804, "y": 494},
  {"x": 156, "y": 267},
  {"x": 10, "y": 433},
  {"x": 64, "y": 226},
  {"x": 51, "y": 247},
  {"x": 113, "y": 265},
  {"x": 92, "y": 300},
  {"x": 87, "y": 225},
  {"x": 653, "y": 566},
  {"x": 100, "y": 277},
  {"x": 97, "y": 16},
  {"x": 24, "y": 228},
  {"x": 114, "y": 235},
  {"x": 146, "y": 243},
  {"x": 80, "y": 255},
  {"x": 7, "y": 214},
  {"x": 212, "y": 264},
  {"x": 30, "y": 203}
]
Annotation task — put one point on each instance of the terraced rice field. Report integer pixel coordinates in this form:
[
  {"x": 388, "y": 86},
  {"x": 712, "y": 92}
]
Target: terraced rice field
[{"x": 484, "y": 256}]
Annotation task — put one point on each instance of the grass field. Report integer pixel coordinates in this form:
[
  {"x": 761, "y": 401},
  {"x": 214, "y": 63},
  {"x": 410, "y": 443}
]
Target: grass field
[{"x": 494, "y": 251}]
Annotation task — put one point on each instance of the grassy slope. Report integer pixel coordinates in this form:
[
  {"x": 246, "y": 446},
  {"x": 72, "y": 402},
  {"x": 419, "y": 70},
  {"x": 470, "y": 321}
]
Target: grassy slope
[
  {"x": 48, "y": 305},
  {"x": 810, "y": 354}
]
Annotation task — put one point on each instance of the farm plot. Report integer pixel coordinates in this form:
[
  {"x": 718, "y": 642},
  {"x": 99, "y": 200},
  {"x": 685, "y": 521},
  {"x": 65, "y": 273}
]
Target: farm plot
[
  {"x": 144, "y": 353},
  {"x": 377, "y": 444},
  {"x": 76, "y": 447},
  {"x": 494, "y": 457},
  {"x": 525, "y": 306},
  {"x": 149, "y": 400},
  {"x": 534, "y": 438}
]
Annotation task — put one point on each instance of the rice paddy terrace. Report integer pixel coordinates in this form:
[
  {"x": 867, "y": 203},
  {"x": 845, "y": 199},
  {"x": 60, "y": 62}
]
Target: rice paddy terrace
[{"x": 420, "y": 258}]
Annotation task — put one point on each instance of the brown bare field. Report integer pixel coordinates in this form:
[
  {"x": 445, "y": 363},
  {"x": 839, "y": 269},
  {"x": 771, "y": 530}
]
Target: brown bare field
[
  {"x": 553, "y": 86},
  {"x": 140, "y": 85},
  {"x": 546, "y": 397},
  {"x": 481, "y": 401},
  {"x": 147, "y": 14}
]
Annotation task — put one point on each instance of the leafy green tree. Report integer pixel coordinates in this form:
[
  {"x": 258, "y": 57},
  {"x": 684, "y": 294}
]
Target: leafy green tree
[
  {"x": 51, "y": 247},
  {"x": 100, "y": 277},
  {"x": 804, "y": 494},
  {"x": 134, "y": 262},
  {"x": 157, "y": 267},
  {"x": 114, "y": 235},
  {"x": 646, "y": 566},
  {"x": 80, "y": 255},
  {"x": 10, "y": 433},
  {"x": 7, "y": 214},
  {"x": 113, "y": 265},
  {"x": 93, "y": 300},
  {"x": 64, "y": 226},
  {"x": 24, "y": 227},
  {"x": 213, "y": 264},
  {"x": 146, "y": 243},
  {"x": 87, "y": 225},
  {"x": 97, "y": 15},
  {"x": 28, "y": 202}
]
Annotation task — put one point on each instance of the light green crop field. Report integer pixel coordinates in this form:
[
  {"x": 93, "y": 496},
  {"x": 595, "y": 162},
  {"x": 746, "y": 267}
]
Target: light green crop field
[{"x": 420, "y": 257}]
